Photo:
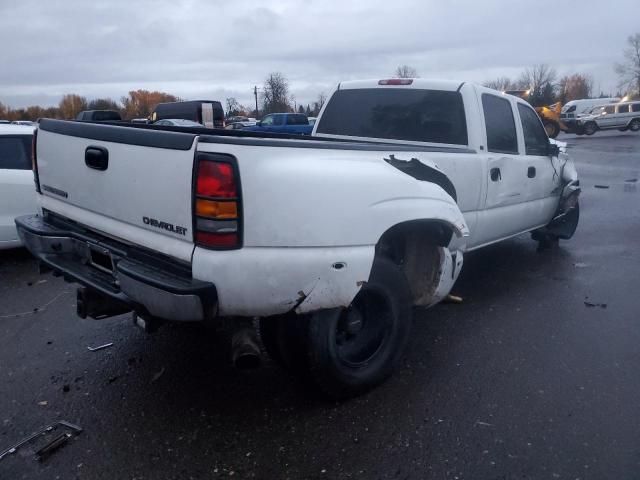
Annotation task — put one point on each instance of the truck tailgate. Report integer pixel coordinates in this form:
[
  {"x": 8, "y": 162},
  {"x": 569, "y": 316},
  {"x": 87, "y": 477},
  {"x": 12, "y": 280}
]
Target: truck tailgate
[{"x": 135, "y": 177}]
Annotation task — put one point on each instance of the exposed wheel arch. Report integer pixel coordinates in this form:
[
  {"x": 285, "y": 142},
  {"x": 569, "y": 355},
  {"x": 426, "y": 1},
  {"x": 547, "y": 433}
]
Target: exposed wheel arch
[{"x": 418, "y": 247}]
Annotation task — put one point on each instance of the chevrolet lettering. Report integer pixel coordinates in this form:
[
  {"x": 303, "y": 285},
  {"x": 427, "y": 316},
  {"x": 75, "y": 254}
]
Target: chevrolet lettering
[{"x": 170, "y": 227}]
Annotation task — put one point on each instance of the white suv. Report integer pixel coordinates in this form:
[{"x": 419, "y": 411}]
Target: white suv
[
  {"x": 17, "y": 190},
  {"x": 623, "y": 116}
]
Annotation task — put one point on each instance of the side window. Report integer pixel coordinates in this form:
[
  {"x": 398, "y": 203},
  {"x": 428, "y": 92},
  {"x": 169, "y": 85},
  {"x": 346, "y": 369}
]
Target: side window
[
  {"x": 635, "y": 107},
  {"x": 278, "y": 119},
  {"x": 610, "y": 109},
  {"x": 501, "y": 127},
  {"x": 623, "y": 108},
  {"x": 297, "y": 120},
  {"x": 15, "y": 153},
  {"x": 536, "y": 141},
  {"x": 267, "y": 121}
]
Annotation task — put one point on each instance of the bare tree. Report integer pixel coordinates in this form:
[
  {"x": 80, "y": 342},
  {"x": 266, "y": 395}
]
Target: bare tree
[
  {"x": 317, "y": 105},
  {"x": 501, "y": 83},
  {"x": 405, "y": 71},
  {"x": 629, "y": 70},
  {"x": 275, "y": 94},
  {"x": 574, "y": 87},
  {"x": 233, "y": 107},
  {"x": 540, "y": 79},
  {"x": 72, "y": 104}
]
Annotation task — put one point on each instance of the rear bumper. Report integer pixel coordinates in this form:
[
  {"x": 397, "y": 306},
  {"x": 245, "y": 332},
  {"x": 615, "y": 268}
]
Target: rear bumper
[{"x": 149, "y": 284}]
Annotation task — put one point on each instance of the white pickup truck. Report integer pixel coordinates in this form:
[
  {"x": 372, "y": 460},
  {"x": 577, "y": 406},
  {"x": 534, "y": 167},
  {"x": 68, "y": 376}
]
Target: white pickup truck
[{"x": 329, "y": 240}]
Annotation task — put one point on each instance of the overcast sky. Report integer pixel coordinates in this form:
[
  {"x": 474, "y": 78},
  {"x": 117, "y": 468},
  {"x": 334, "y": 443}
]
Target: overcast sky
[{"x": 217, "y": 49}]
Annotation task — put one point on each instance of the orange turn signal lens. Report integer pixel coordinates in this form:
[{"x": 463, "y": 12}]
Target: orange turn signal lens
[{"x": 213, "y": 209}]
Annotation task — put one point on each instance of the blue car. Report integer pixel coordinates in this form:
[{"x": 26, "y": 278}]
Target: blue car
[{"x": 291, "y": 123}]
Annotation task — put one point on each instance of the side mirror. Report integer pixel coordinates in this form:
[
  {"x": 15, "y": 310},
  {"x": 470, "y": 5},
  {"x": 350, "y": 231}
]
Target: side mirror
[{"x": 553, "y": 150}]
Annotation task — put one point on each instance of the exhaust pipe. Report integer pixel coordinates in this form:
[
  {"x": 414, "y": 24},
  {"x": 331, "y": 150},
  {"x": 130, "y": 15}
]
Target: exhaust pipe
[{"x": 245, "y": 352}]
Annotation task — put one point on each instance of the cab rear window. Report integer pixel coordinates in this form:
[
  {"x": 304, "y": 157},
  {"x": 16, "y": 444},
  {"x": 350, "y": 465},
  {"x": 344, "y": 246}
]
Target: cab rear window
[{"x": 434, "y": 116}]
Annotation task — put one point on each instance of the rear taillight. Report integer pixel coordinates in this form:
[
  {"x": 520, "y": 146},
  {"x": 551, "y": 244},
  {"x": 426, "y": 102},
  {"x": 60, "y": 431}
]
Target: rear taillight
[
  {"x": 34, "y": 160},
  {"x": 216, "y": 202}
]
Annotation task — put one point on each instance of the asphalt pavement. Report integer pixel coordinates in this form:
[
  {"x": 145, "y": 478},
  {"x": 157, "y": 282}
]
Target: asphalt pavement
[{"x": 533, "y": 376}]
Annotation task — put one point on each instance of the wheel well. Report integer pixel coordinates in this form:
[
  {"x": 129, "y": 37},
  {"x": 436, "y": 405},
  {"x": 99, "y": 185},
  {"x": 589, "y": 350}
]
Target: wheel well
[{"x": 417, "y": 248}]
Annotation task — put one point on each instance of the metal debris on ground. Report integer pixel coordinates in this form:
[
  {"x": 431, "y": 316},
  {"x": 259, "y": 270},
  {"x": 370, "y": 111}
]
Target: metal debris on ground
[
  {"x": 100, "y": 347},
  {"x": 50, "y": 447}
]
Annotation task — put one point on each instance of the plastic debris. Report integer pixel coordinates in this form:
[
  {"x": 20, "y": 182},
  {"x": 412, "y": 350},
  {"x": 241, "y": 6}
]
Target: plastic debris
[{"x": 453, "y": 299}]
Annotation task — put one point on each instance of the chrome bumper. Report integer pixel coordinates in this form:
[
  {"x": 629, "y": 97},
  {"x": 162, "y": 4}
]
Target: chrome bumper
[{"x": 148, "y": 284}]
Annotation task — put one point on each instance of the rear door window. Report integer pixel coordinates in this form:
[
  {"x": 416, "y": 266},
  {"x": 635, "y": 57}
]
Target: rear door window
[
  {"x": 297, "y": 120},
  {"x": 623, "y": 108},
  {"x": 635, "y": 107},
  {"x": 536, "y": 141},
  {"x": 409, "y": 114},
  {"x": 15, "y": 152},
  {"x": 501, "y": 127}
]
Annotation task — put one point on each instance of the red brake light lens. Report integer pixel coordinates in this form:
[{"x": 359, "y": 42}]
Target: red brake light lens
[
  {"x": 224, "y": 240},
  {"x": 396, "y": 81},
  {"x": 216, "y": 179}
]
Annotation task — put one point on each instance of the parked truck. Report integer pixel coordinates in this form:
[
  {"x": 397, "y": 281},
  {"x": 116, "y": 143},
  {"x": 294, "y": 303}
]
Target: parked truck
[
  {"x": 290, "y": 123},
  {"x": 329, "y": 240}
]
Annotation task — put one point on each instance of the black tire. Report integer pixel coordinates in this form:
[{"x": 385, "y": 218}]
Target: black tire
[
  {"x": 634, "y": 126},
  {"x": 552, "y": 128},
  {"x": 355, "y": 349},
  {"x": 590, "y": 128}
]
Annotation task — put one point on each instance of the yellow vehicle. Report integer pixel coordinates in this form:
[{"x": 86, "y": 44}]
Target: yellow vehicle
[{"x": 549, "y": 114}]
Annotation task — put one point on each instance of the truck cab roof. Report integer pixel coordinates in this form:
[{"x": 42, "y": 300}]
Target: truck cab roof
[{"x": 419, "y": 83}]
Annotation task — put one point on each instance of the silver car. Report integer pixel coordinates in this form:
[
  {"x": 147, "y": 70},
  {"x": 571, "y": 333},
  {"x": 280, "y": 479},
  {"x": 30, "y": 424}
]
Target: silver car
[{"x": 623, "y": 116}]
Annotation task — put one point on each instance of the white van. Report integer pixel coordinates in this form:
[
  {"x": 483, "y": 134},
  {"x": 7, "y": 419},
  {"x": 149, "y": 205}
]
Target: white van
[{"x": 573, "y": 109}]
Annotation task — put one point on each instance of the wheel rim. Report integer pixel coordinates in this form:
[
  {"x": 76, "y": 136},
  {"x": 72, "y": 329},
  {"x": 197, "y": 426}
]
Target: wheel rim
[
  {"x": 363, "y": 329},
  {"x": 635, "y": 126}
]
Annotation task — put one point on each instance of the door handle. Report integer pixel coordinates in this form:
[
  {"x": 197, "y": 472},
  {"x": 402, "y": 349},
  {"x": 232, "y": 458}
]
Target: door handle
[
  {"x": 96, "y": 158},
  {"x": 495, "y": 174},
  {"x": 531, "y": 172}
]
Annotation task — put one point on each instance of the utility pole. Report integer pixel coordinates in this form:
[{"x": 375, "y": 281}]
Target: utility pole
[{"x": 255, "y": 94}]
